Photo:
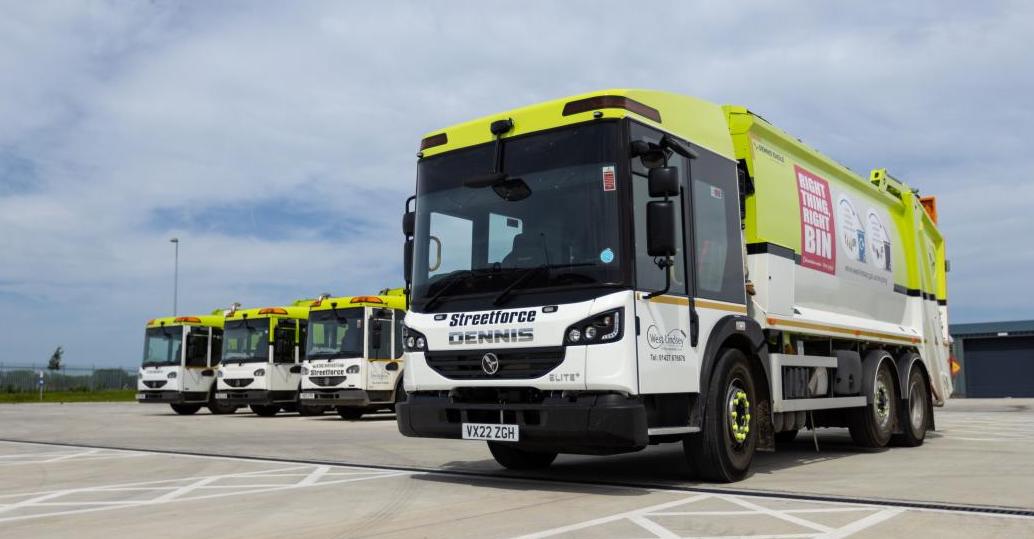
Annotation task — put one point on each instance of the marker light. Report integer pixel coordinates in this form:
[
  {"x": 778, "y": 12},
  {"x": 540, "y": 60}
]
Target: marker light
[
  {"x": 352, "y": 369},
  {"x": 273, "y": 310},
  {"x": 171, "y": 375},
  {"x": 219, "y": 374},
  {"x": 434, "y": 140},
  {"x": 366, "y": 299},
  {"x": 611, "y": 102}
]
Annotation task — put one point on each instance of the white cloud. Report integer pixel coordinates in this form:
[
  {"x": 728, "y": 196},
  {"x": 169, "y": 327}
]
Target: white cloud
[{"x": 124, "y": 110}]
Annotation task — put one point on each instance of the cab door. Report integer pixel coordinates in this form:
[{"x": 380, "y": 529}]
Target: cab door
[
  {"x": 665, "y": 358},
  {"x": 380, "y": 356}
]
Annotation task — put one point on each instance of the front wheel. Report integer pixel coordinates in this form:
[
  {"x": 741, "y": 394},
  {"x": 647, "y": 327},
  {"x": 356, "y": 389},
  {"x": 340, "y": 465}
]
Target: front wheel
[
  {"x": 914, "y": 415},
  {"x": 220, "y": 408},
  {"x": 185, "y": 409},
  {"x": 265, "y": 410},
  {"x": 873, "y": 425},
  {"x": 724, "y": 449},
  {"x": 515, "y": 458}
]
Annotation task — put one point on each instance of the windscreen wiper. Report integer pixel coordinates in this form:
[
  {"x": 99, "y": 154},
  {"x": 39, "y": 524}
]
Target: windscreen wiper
[
  {"x": 524, "y": 277},
  {"x": 455, "y": 278}
]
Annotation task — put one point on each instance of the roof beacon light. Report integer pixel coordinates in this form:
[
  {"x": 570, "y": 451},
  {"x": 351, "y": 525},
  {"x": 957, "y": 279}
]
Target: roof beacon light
[
  {"x": 188, "y": 319},
  {"x": 273, "y": 310},
  {"x": 366, "y": 299},
  {"x": 611, "y": 102}
]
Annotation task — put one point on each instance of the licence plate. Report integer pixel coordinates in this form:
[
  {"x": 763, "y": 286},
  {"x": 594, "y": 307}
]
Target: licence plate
[
  {"x": 220, "y": 395},
  {"x": 488, "y": 431},
  {"x": 309, "y": 396},
  {"x": 140, "y": 396}
]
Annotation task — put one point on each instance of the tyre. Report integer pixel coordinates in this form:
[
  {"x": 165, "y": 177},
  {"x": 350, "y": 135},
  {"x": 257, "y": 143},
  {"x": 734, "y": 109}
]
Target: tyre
[
  {"x": 265, "y": 410},
  {"x": 347, "y": 412},
  {"x": 786, "y": 436},
  {"x": 512, "y": 457},
  {"x": 724, "y": 448},
  {"x": 873, "y": 425},
  {"x": 914, "y": 416},
  {"x": 311, "y": 410},
  {"x": 185, "y": 409},
  {"x": 220, "y": 408}
]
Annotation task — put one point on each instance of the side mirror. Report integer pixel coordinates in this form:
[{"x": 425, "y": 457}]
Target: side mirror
[
  {"x": 660, "y": 227},
  {"x": 407, "y": 261},
  {"x": 409, "y": 224},
  {"x": 664, "y": 182}
]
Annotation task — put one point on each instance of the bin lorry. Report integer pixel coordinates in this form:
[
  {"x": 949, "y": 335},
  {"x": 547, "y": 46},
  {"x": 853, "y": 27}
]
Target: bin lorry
[
  {"x": 182, "y": 375},
  {"x": 261, "y": 359},
  {"x": 353, "y": 357},
  {"x": 622, "y": 268}
]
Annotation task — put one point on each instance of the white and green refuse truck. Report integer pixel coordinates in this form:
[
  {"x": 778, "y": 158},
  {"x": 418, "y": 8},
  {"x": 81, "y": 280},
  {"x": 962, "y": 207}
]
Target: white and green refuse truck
[{"x": 622, "y": 268}]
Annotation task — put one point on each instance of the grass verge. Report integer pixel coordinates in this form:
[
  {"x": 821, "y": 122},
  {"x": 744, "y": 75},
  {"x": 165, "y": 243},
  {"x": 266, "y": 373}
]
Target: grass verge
[{"x": 114, "y": 395}]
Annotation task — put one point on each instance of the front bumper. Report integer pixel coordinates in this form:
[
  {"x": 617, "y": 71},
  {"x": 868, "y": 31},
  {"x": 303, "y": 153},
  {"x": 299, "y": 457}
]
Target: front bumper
[
  {"x": 246, "y": 397},
  {"x": 335, "y": 397},
  {"x": 588, "y": 423},
  {"x": 171, "y": 397}
]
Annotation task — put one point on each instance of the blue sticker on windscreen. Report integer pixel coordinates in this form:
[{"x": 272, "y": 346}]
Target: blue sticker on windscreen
[{"x": 607, "y": 255}]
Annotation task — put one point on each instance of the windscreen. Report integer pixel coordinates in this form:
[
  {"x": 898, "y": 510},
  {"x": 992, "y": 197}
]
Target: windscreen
[
  {"x": 162, "y": 346},
  {"x": 335, "y": 333},
  {"x": 554, "y": 222},
  {"x": 246, "y": 341}
]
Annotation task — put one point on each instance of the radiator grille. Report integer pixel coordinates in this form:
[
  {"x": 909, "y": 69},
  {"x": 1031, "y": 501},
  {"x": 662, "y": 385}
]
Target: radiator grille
[{"x": 514, "y": 364}]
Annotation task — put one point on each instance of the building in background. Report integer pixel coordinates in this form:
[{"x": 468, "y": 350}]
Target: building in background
[{"x": 997, "y": 359}]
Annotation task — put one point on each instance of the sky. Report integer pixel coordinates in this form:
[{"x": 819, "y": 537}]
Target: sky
[{"x": 277, "y": 140}]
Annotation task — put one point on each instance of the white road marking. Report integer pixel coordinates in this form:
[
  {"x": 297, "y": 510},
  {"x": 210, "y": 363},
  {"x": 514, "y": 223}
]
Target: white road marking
[
  {"x": 653, "y": 527},
  {"x": 864, "y": 523},
  {"x": 777, "y": 514},
  {"x": 612, "y": 518}
]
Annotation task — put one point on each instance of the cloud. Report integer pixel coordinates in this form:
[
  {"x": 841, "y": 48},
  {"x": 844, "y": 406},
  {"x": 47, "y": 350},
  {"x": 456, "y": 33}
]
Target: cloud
[{"x": 277, "y": 140}]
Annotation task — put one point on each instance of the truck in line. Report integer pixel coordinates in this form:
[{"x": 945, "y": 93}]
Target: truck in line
[
  {"x": 181, "y": 354},
  {"x": 353, "y": 357},
  {"x": 622, "y": 268},
  {"x": 261, "y": 359}
]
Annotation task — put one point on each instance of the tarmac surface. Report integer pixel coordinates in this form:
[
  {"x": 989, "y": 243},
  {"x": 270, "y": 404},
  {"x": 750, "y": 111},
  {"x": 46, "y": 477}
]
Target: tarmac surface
[{"x": 121, "y": 470}]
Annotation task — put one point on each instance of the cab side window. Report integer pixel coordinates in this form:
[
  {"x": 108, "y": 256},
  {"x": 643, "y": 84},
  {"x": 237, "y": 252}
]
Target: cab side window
[
  {"x": 716, "y": 221},
  {"x": 283, "y": 342},
  {"x": 397, "y": 328},
  {"x": 197, "y": 347},
  {"x": 217, "y": 346},
  {"x": 378, "y": 341}
]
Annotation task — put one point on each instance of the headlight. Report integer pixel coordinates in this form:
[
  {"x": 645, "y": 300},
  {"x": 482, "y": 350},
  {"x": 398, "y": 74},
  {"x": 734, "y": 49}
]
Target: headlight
[
  {"x": 219, "y": 374},
  {"x": 305, "y": 370},
  {"x": 352, "y": 369},
  {"x": 259, "y": 372},
  {"x": 412, "y": 340},
  {"x": 597, "y": 329},
  {"x": 171, "y": 375}
]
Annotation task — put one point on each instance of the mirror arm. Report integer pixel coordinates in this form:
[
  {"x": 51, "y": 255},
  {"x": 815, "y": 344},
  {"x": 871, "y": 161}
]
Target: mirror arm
[{"x": 663, "y": 263}]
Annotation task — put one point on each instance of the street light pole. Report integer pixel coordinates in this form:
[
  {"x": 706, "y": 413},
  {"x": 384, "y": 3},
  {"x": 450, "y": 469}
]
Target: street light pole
[{"x": 175, "y": 276}]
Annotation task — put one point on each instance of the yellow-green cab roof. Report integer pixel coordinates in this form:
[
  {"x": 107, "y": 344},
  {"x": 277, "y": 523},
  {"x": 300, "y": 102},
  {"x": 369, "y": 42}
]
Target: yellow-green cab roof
[
  {"x": 695, "y": 120},
  {"x": 299, "y": 309},
  {"x": 389, "y": 299},
  {"x": 215, "y": 320}
]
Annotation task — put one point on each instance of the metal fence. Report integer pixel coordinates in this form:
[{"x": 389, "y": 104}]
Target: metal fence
[{"x": 26, "y": 378}]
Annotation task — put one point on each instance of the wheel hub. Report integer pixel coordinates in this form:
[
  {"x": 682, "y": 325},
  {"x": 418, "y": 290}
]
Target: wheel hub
[
  {"x": 881, "y": 401},
  {"x": 739, "y": 414}
]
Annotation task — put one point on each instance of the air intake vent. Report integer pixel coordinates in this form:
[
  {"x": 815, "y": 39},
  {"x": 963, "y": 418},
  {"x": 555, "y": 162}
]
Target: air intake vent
[{"x": 518, "y": 364}]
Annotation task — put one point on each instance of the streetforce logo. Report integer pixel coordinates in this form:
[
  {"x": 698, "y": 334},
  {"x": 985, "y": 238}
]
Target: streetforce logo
[
  {"x": 490, "y": 318},
  {"x": 492, "y": 336}
]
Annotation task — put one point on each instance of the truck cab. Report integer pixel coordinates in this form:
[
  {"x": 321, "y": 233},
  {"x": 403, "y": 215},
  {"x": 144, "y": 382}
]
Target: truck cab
[
  {"x": 353, "y": 356},
  {"x": 182, "y": 376},
  {"x": 261, "y": 359},
  {"x": 621, "y": 268}
]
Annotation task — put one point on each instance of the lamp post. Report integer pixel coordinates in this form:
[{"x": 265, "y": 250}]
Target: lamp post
[{"x": 175, "y": 276}]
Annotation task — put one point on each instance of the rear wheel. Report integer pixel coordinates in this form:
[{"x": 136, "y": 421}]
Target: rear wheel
[
  {"x": 347, "y": 412},
  {"x": 873, "y": 425},
  {"x": 723, "y": 450},
  {"x": 914, "y": 416},
  {"x": 311, "y": 410},
  {"x": 512, "y": 457},
  {"x": 220, "y": 408},
  {"x": 185, "y": 409},
  {"x": 265, "y": 410}
]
